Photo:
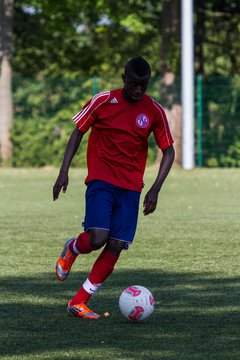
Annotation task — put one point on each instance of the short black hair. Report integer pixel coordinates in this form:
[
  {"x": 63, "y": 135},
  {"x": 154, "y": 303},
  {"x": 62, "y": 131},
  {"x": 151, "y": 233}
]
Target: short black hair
[{"x": 138, "y": 65}]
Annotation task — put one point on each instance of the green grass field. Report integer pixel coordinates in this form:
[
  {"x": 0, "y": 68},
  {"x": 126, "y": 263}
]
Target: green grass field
[{"x": 187, "y": 253}]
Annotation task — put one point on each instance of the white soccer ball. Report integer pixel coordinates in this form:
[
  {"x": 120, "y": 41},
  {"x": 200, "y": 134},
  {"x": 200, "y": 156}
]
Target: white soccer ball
[{"x": 136, "y": 303}]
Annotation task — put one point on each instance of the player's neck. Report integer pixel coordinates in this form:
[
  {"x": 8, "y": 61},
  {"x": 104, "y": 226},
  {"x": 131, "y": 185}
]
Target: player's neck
[{"x": 127, "y": 97}]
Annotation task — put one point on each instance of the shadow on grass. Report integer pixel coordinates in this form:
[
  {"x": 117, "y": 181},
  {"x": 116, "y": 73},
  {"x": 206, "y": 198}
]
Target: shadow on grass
[{"x": 197, "y": 316}]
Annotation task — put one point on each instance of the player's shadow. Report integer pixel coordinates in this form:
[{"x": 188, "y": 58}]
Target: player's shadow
[{"x": 196, "y": 314}]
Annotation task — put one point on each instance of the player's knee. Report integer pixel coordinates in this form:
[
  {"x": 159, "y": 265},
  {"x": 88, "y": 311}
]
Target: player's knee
[
  {"x": 115, "y": 246},
  {"x": 98, "y": 238}
]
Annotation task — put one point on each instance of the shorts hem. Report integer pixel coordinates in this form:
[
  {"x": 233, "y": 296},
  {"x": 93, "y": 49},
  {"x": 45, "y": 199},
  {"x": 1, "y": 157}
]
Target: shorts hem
[
  {"x": 95, "y": 227},
  {"x": 126, "y": 241}
]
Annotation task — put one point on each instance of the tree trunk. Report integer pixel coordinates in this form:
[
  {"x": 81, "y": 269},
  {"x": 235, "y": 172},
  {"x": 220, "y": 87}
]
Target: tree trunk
[
  {"x": 6, "y": 112},
  {"x": 170, "y": 93}
]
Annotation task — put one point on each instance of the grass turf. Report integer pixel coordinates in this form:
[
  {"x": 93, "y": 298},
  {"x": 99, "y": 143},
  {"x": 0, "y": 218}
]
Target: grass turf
[{"x": 187, "y": 253}]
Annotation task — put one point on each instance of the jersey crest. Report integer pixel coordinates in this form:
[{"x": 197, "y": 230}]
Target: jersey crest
[{"x": 142, "y": 120}]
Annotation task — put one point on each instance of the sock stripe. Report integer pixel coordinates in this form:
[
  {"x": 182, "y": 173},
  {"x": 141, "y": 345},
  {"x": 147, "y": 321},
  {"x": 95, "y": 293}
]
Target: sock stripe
[
  {"x": 75, "y": 248},
  {"x": 91, "y": 288}
]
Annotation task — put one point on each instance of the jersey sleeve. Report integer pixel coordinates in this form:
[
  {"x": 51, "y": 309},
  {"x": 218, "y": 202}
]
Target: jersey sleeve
[
  {"x": 161, "y": 128},
  {"x": 88, "y": 115}
]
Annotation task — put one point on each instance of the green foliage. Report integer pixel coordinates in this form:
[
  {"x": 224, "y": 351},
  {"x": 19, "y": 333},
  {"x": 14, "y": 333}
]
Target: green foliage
[
  {"x": 82, "y": 37},
  {"x": 221, "y": 127},
  {"x": 86, "y": 38},
  {"x": 57, "y": 43},
  {"x": 221, "y": 44},
  {"x": 62, "y": 41},
  {"x": 44, "y": 108},
  {"x": 43, "y": 113},
  {"x": 232, "y": 157}
]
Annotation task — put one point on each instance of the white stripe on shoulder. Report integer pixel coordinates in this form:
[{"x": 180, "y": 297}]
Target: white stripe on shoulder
[
  {"x": 100, "y": 94},
  {"x": 91, "y": 111},
  {"x": 164, "y": 118},
  {"x": 91, "y": 106}
]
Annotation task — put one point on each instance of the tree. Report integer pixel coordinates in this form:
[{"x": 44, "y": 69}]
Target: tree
[
  {"x": 84, "y": 38},
  {"x": 217, "y": 59},
  {"x": 169, "y": 69},
  {"x": 6, "y": 13},
  {"x": 68, "y": 40},
  {"x": 217, "y": 50}
]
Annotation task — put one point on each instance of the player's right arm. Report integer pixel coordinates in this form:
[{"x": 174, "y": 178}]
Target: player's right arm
[
  {"x": 83, "y": 120},
  {"x": 71, "y": 149}
]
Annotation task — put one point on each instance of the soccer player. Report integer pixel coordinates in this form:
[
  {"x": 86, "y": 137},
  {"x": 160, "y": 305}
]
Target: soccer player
[{"x": 121, "y": 121}]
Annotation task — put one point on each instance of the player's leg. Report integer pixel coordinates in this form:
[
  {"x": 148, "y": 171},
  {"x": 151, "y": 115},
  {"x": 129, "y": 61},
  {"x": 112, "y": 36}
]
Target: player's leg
[
  {"x": 123, "y": 226},
  {"x": 99, "y": 203},
  {"x": 101, "y": 270},
  {"x": 97, "y": 218},
  {"x": 71, "y": 250},
  {"x": 65, "y": 261},
  {"x": 88, "y": 241},
  {"x": 125, "y": 217},
  {"x": 81, "y": 244}
]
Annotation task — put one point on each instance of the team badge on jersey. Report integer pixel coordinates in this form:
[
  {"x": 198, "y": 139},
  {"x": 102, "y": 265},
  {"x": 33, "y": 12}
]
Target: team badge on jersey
[{"x": 142, "y": 120}]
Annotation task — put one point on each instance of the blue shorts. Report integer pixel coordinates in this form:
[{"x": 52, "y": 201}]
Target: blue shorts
[{"x": 112, "y": 208}]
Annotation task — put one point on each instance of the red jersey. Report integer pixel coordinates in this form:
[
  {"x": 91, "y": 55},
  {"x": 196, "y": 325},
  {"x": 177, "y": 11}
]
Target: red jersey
[{"x": 118, "y": 142}]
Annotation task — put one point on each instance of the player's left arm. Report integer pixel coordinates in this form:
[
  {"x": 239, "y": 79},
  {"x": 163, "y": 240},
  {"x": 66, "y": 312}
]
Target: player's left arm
[{"x": 151, "y": 198}]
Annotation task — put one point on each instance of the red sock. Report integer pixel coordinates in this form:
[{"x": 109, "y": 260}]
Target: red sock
[
  {"x": 81, "y": 244},
  {"x": 102, "y": 268}
]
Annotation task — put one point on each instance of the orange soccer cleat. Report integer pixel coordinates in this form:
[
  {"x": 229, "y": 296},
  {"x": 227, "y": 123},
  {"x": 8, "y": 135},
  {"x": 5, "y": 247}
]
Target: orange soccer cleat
[
  {"x": 65, "y": 261},
  {"x": 81, "y": 311}
]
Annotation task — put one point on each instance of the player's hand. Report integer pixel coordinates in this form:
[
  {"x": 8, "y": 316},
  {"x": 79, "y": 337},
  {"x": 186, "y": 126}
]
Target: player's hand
[
  {"x": 60, "y": 184},
  {"x": 150, "y": 201}
]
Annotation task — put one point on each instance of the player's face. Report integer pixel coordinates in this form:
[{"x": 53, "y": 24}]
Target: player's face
[{"x": 135, "y": 86}]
